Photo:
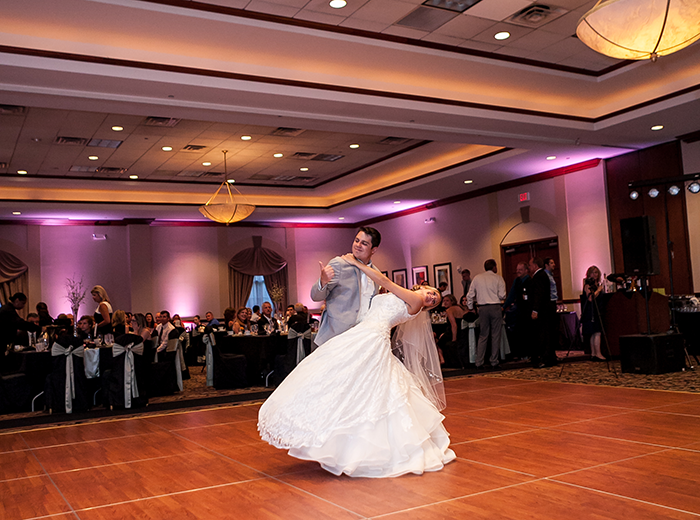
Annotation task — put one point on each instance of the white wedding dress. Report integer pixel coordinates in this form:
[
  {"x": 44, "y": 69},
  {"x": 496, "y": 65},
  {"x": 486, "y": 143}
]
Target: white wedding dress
[{"x": 353, "y": 407}]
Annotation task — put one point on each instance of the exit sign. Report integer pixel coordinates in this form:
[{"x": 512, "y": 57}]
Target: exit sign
[{"x": 524, "y": 197}]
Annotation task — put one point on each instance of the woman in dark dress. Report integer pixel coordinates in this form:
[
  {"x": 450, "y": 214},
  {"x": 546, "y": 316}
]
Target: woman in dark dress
[
  {"x": 103, "y": 313},
  {"x": 590, "y": 317}
]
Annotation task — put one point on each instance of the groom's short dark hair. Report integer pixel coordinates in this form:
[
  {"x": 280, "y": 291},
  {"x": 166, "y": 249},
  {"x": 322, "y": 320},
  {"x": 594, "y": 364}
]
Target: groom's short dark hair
[{"x": 373, "y": 233}]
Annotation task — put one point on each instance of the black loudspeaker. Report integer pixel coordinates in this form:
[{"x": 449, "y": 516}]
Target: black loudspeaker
[
  {"x": 652, "y": 353},
  {"x": 639, "y": 248}
]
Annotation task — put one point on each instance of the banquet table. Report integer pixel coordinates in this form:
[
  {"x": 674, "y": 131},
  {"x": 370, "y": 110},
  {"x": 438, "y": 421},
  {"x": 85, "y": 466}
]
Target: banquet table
[{"x": 259, "y": 351}]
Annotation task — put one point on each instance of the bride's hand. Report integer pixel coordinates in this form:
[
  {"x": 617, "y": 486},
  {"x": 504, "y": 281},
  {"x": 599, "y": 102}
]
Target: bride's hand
[{"x": 350, "y": 258}]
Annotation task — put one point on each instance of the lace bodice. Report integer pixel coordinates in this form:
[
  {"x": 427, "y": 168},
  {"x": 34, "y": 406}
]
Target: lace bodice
[{"x": 386, "y": 311}]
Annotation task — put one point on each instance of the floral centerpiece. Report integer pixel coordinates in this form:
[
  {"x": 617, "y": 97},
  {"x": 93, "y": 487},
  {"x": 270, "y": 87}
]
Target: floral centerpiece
[
  {"x": 277, "y": 294},
  {"x": 76, "y": 294}
]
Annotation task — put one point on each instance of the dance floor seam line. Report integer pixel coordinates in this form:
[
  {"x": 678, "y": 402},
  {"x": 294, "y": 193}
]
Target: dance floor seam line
[
  {"x": 53, "y": 483},
  {"x": 610, "y": 463},
  {"x": 502, "y": 468},
  {"x": 624, "y": 497},
  {"x": 510, "y": 434},
  {"x": 64, "y": 444},
  {"x": 618, "y": 439}
]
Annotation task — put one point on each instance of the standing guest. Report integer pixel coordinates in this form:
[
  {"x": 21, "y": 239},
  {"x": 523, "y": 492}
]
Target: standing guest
[
  {"x": 44, "y": 317},
  {"x": 488, "y": 290},
  {"x": 543, "y": 315},
  {"x": 150, "y": 321},
  {"x": 267, "y": 319},
  {"x": 241, "y": 324},
  {"x": 163, "y": 330},
  {"x": 346, "y": 290},
  {"x": 211, "y": 320},
  {"x": 119, "y": 323},
  {"x": 103, "y": 313},
  {"x": 11, "y": 323},
  {"x": 518, "y": 312},
  {"x": 138, "y": 324},
  {"x": 590, "y": 311},
  {"x": 466, "y": 281},
  {"x": 549, "y": 266},
  {"x": 442, "y": 287}
]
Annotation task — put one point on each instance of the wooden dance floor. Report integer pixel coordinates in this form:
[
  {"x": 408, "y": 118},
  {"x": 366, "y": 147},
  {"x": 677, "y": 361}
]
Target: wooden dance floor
[{"x": 526, "y": 450}]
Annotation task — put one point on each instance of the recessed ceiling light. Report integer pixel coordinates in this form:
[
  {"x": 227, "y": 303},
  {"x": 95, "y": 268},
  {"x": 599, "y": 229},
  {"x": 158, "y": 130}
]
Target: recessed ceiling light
[
  {"x": 397, "y": 202},
  {"x": 551, "y": 157},
  {"x": 469, "y": 181},
  {"x": 117, "y": 128},
  {"x": 341, "y": 218},
  {"x": 656, "y": 128},
  {"x": 337, "y": 4},
  {"x": 93, "y": 157},
  {"x": 16, "y": 212},
  {"x": 133, "y": 177},
  {"x": 503, "y": 35},
  {"x": 355, "y": 145},
  {"x": 206, "y": 164},
  {"x": 278, "y": 155},
  {"x": 231, "y": 181},
  {"x": 167, "y": 148},
  {"x": 303, "y": 169},
  {"x": 22, "y": 172},
  {"x": 246, "y": 138}
]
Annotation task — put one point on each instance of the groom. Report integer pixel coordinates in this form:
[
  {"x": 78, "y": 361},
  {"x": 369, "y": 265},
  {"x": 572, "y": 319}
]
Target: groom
[{"x": 346, "y": 290}]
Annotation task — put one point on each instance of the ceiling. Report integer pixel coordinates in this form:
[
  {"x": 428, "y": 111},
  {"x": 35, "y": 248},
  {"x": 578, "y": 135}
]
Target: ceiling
[{"x": 426, "y": 96}]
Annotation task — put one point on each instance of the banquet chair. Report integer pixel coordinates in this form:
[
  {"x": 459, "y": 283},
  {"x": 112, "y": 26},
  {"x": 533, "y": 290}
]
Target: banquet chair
[
  {"x": 15, "y": 393},
  {"x": 165, "y": 376},
  {"x": 224, "y": 371},
  {"x": 298, "y": 347},
  {"x": 125, "y": 382},
  {"x": 66, "y": 388}
]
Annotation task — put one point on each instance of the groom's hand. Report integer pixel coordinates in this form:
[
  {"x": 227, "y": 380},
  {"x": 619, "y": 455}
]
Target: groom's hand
[{"x": 327, "y": 273}]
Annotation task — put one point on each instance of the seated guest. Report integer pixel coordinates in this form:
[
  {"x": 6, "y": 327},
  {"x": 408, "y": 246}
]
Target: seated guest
[
  {"x": 241, "y": 324},
  {"x": 266, "y": 319},
  {"x": 86, "y": 325},
  {"x": 119, "y": 324},
  {"x": 42, "y": 311},
  {"x": 197, "y": 322},
  {"x": 448, "y": 340},
  {"x": 290, "y": 311},
  {"x": 11, "y": 323},
  {"x": 177, "y": 323},
  {"x": 442, "y": 287},
  {"x": 230, "y": 317},
  {"x": 163, "y": 330},
  {"x": 138, "y": 324},
  {"x": 23, "y": 337},
  {"x": 256, "y": 314},
  {"x": 63, "y": 326},
  {"x": 299, "y": 321},
  {"x": 211, "y": 320},
  {"x": 150, "y": 321}
]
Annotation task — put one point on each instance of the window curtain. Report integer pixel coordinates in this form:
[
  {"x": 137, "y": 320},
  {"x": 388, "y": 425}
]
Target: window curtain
[
  {"x": 252, "y": 262},
  {"x": 13, "y": 278}
]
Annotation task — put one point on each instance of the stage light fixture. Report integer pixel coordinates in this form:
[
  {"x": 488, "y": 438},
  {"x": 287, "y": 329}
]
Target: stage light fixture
[
  {"x": 694, "y": 187},
  {"x": 674, "y": 190},
  {"x": 634, "y": 195},
  {"x": 653, "y": 193}
]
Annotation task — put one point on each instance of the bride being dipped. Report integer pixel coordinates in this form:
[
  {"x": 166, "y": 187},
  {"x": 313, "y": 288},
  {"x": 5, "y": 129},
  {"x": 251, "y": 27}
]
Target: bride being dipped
[{"x": 354, "y": 407}]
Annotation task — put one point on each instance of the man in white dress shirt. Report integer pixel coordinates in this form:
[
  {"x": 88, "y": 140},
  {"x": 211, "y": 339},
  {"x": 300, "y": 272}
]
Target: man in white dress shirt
[
  {"x": 488, "y": 290},
  {"x": 163, "y": 329},
  {"x": 346, "y": 290}
]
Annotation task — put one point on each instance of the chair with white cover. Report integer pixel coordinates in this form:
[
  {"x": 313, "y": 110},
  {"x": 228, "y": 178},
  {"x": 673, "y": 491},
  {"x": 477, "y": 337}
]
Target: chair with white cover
[
  {"x": 125, "y": 381},
  {"x": 66, "y": 387}
]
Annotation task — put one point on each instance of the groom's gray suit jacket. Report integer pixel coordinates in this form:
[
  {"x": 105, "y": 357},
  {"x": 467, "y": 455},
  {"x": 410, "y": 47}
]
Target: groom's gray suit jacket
[{"x": 342, "y": 295}]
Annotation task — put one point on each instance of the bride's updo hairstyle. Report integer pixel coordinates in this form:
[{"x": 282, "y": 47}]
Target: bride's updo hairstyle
[{"x": 428, "y": 287}]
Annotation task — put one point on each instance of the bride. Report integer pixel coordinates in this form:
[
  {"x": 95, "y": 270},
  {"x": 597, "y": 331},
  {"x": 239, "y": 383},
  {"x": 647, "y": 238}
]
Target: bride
[{"x": 354, "y": 407}]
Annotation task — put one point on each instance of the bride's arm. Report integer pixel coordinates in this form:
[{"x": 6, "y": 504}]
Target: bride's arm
[{"x": 412, "y": 298}]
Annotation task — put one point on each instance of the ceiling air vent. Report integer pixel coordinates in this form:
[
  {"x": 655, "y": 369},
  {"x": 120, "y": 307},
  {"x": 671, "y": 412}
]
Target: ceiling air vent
[
  {"x": 304, "y": 156},
  {"x": 287, "y": 132},
  {"x": 393, "y": 140},
  {"x": 458, "y": 6},
  {"x": 196, "y": 173},
  {"x": 536, "y": 15},
  {"x": 327, "y": 157},
  {"x": 72, "y": 141},
  {"x": 12, "y": 110},
  {"x": 109, "y": 170},
  {"x": 426, "y": 18},
  {"x": 91, "y": 169},
  {"x": 193, "y": 148},
  {"x": 105, "y": 143},
  {"x": 161, "y": 121}
]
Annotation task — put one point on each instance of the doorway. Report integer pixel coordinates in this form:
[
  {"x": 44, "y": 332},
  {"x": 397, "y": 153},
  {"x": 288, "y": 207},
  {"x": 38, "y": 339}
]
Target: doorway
[{"x": 513, "y": 254}]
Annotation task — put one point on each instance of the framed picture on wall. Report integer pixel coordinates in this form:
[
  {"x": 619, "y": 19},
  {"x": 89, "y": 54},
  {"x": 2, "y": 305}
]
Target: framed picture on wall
[
  {"x": 399, "y": 277},
  {"x": 420, "y": 274},
  {"x": 386, "y": 273},
  {"x": 443, "y": 273}
]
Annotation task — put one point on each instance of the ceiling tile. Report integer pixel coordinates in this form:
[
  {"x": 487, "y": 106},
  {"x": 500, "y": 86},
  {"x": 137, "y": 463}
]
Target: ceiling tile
[
  {"x": 565, "y": 24},
  {"x": 405, "y": 31},
  {"x": 383, "y": 11},
  {"x": 465, "y": 27},
  {"x": 515, "y": 31},
  {"x": 535, "y": 41},
  {"x": 364, "y": 25},
  {"x": 481, "y": 46},
  {"x": 260, "y": 6},
  {"x": 444, "y": 39},
  {"x": 315, "y": 16},
  {"x": 236, "y": 4},
  {"x": 497, "y": 9}
]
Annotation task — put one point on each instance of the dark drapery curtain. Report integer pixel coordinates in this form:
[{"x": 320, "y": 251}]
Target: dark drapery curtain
[
  {"x": 255, "y": 261},
  {"x": 13, "y": 278}
]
